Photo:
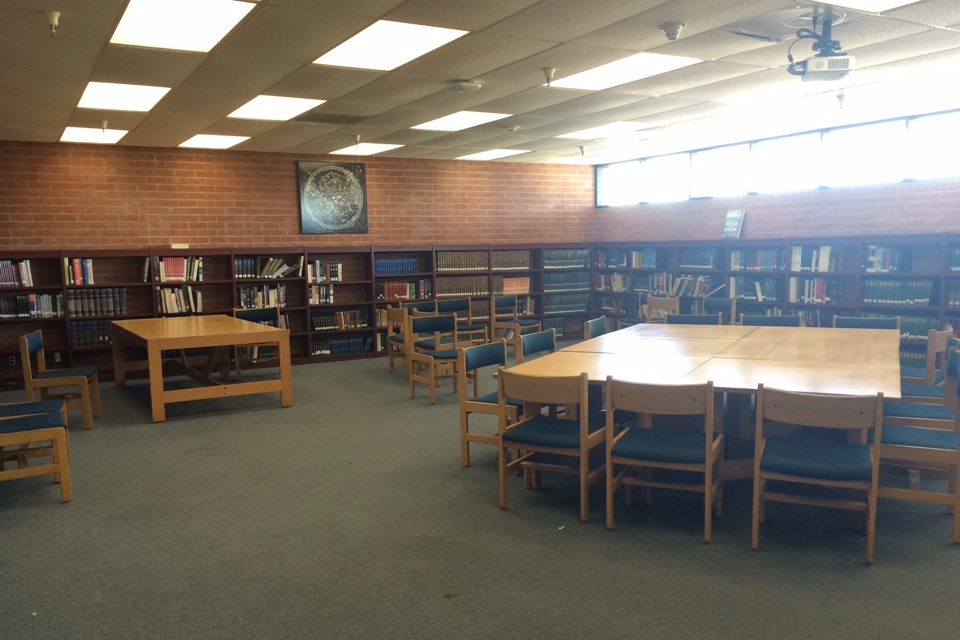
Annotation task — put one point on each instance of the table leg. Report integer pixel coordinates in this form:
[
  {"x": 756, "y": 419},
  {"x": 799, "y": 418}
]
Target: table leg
[
  {"x": 155, "y": 363},
  {"x": 119, "y": 371},
  {"x": 286, "y": 376}
]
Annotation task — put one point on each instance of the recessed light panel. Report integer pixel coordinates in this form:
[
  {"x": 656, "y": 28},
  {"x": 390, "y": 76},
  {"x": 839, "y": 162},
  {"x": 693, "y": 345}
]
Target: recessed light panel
[
  {"x": 871, "y": 6},
  {"x": 613, "y": 74},
  {"x": 386, "y": 45},
  {"x": 494, "y": 154},
  {"x": 121, "y": 97},
  {"x": 184, "y": 25},
  {"x": 365, "y": 149},
  {"x": 461, "y": 120},
  {"x": 91, "y": 135},
  {"x": 205, "y": 141},
  {"x": 274, "y": 108}
]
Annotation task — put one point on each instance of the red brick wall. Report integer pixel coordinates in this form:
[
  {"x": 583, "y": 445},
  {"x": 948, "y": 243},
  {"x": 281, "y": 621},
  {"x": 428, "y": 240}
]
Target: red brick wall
[{"x": 86, "y": 196}]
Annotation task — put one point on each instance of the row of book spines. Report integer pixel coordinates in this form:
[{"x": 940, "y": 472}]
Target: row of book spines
[
  {"x": 178, "y": 269},
  {"x": 341, "y": 346},
  {"x": 87, "y": 334},
  {"x": 884, "y": 259},
  {"x": 395, "y": 266},
  {"x": 421, "y": 289},
  {"x": 504, "y": 286},
  {"x": 271, "y": 267},
  {"x": 813, "y": 290},
  {"x": 320, "y": 294},
  {"x": 756, "y": 289},
  {"x": 509, "y": 259},
  {"x": 953, "y": 295},
  {"x": 698, "y": 259},
  {"x": 97, "y": 302},
  {"x": 757, "y": 260},
  {"x": 691, "y": 286},
  {"x": 340, "y": 320},
  {"x": 318, "y": 271},
  {"x": 898, "y": 291},
  {"x": 557, "y": 324},
  {"x": 258, "y": 297},
  {"x": 645, "y": 258},
  {"x": 462, "y": 261},
  {"x": 182, "y": 299},
  {"x": 15, "y": 274},
  {"x": 78, "y": 271},
  {"x": 31, "y": 305},
  {"x": 566, "y": 258},
  {"x": 823, "y": 258},
  {"x": 566, "y": 303},
  {"x": 911, "y": 327}
]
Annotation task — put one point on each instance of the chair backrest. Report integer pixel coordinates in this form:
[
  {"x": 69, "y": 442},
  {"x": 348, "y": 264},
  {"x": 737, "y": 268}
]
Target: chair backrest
[
  {"x": 529, "y": 344},
  {"x": 858, "y": 413},
  {"x": 595, "y": 327},
  {"x": 470, "y": 359},
  {"x": 538, "y": 392},
  {"x": 420, "y": 307},
  {"x": 444, "y": 324},
  {"x": 504, "y": 307},
  {"x": 263, "y": 315},
  {"x": 769, "y": 321},
  {"x": 725, "y": 306},
  {"x": 395, "y": 319},
  {"x": 937, "y": 345},
  {"x": 695, "y": 318},
  {"x": 658, "y": 308},
  {"x": 662, "y": 399},
  {"x": 31, "y": 348},
  {"x": 848, "y": 322}
]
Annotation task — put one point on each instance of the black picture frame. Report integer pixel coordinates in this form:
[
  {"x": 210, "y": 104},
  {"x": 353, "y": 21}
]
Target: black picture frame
[{"x": 333, "y": 197}]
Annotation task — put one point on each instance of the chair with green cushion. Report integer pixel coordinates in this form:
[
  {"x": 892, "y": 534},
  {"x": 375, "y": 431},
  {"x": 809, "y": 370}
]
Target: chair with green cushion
[
  {"x": 932, "y": 371},
  {"x": 470, "y": 361},
  {"x": 850, "y": 322},
  {"x": 628, "y": 321},
  {"x": 548, "y": 443},
  {"x": 432, "y": 359},
  {"x": 468, "y": 329},
  {"x": 394, "y": 320},
  {"x": 531, "y": 344},
  {"x": 32, "y": 430},
  {"x": 846, "y": 465},
  {"x": 636, "y": 453},
  {"x": 934, "y": 393},
  {"x": 506, "y": 320},
  {"x": 725, "y": 306},
  {"x": 694, "y": 318},
  {"x": 420, "y": 307},
  {"x": 595, "y": 327},
  {"x": 769, "y": 321},
  {"x": 85, "y": 392},
  {"x": 658, "y": 308}
]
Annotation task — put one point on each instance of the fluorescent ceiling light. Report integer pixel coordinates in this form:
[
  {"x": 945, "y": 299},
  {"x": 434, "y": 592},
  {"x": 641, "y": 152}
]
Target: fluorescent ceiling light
[
  {"x": 386, "y": 45},
  {"x": 274, "y": 108},
  {"x": 461, "y": 120},
  {"x": 185, "y": 25},
  {"x": 205, "y": 141},
  {"x": 494, "y": 154},
  {"x": 605, "y": 131},
  {"x": 95, "y": 136},
  {"x": 871, "y": 6},
  {"x": 121, "y": 97},
  {"x": 635, "y": 67},
  {"x": 365, "y": 149}
]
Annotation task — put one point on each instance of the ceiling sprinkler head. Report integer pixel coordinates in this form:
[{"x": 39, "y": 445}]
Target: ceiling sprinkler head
[{"x": 672, "y": 29}]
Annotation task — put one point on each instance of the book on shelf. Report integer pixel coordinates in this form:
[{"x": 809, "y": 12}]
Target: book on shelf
[{"x": 733, "y": 223}]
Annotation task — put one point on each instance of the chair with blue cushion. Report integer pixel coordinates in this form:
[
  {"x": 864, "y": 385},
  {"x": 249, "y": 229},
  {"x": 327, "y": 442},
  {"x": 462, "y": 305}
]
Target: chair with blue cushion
[
  {"x": 468, "y": 328},
  {"x": 658, "y": 308},
  {"x": 506, "y": 321},
  {"x": 694, "y": 318},
  {"x": 31, "y": 430},
  {"x": 758, "y": 320},
  {"x": 934, "y": 392},
  {"x": 394, "y": 320},
  {"x": 850, "y": 322},
  {"x": 595, "y": 327},
  {"x": 923, "y": 439},
  {"x": 628, "y": 321},
  {"x": 636, "y": 453},
  {"x": 845, "y": 467},
  {"x": 78, "y": 387},
  {"x": 432, "y": 359},
  {"x": 470, "y": 362},
  {"x": 534, "y": 344},
  {"x": 548, "y": 443},
  {"x": 725, "y": 306},
  {"x": 420, "y": 307}
]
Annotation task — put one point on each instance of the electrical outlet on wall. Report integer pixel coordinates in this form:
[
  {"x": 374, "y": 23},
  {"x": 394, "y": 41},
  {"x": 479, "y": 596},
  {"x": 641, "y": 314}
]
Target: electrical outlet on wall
[
  {"x": 13, "y": 361},
  {"x": 56, "y": 356}
]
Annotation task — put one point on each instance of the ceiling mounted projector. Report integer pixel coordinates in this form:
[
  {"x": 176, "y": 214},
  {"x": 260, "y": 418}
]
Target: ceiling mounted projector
[
  {"x": 464, "y": 86},
  {"x": 829, "y": 63},
  {"x": 827, "y": 67}
]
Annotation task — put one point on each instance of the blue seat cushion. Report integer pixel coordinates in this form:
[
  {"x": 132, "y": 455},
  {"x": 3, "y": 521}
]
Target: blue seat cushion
[
  {"x": 446, "y": 354},
  {"x": 27, "y": 408},
  {"x": 907, "y": 436},
  {"x": 397, "y": 337},
  {"x": 921, "y": 372},
  {"x": 545, "y": 431},
  {"x": 492, "y": 398},
  {"x": 916, "y": 410},
  {"x": 817, "y": 459},
  {"x": 427, "y": 345},
  {"x": 49, "y": 374},
  {"x": 527, "y": 322},
  {"x": 659, "y": 445},
  {"x": 471, "y": 327},
  {"x": 921, "y": 390},
  {"x": 29, "y": 423}
]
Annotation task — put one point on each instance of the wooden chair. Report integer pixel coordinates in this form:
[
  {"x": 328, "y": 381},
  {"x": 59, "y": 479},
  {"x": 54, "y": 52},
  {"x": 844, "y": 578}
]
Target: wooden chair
[
  {"x": 396, "y": 318},
  {"x": 933, "y": 393},
  {"x": 548, "y": 443},
  {"x": 595, "y": 327},
  {"x": 469, "y": 363},
  {"x": 847, "y": 469},
  {"x": 468, "y": 328},
  {"x": 44, "y": 380},
  {"x": 432, "y": 359},
  {"x": 505, "y": 319},
  {"x": 848, "y": 322},
  {"x": 695, "y": 318},
  {"x": 923, "y": 441},
  {"x": 420, "y": 307},
  {"x": 932, "y": 371},
  {"x": 659, "y": 307},
  {"x": 31, "y": 430},
  {"x": 269, "y": 316},
  {"x": 634, "y": 452},
  {"x": 628, "y": 321},
  {"x": 725, "y": 306},
  {"x": 769, "y": 321},
  {"x": 530, "y": 344}
]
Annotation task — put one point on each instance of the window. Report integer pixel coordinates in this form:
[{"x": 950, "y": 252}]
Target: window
[
  {"x": 785, "y": 164},
  {"x": 868, "y": 154},
  {"x": 932, "y": 147},
  {"x": 618, "y": 184},
  {"x": 665, "y": 178},
  {"x": 720, "y": 172}
]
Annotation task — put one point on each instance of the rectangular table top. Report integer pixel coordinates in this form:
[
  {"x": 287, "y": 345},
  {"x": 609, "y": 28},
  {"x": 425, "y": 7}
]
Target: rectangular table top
[{"x": 177, "y": 328}]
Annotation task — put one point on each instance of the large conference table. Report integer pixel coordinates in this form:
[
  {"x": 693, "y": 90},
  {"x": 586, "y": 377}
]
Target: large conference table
[{"x": 188, "y": 332}]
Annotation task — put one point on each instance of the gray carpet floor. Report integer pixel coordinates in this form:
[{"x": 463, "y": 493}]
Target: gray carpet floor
[{"x": 348, "y": 515}]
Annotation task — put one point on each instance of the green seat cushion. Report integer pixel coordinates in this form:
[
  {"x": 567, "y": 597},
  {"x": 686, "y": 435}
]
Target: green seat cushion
[
  {"x": 898, "y": 434},
  {"x": 545, "y": 431},
  {"x": 30, "y": 423},
  {"x": 921, "y": 390},
  {"x": 27, "y": 408},
  {"x": 659, "y": 445},
  {"x": 817, "y": 459},
  {"x": 916, "y": 410},
  {"x": 49, "y": 374}
]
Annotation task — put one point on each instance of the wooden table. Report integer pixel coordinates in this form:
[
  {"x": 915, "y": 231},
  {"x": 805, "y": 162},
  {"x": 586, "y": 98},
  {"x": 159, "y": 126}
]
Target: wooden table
[{"x": 188, "y": 332}]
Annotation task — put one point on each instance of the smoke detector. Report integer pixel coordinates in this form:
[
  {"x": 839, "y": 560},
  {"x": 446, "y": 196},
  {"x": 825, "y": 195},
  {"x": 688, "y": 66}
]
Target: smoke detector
[{"x": 464, "y": 86}]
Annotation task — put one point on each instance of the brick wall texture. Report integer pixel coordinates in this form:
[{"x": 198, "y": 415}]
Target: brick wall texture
[{"x": 60, "y": 196}]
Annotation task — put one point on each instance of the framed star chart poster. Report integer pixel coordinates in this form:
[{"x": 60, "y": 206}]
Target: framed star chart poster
[{"x": 333, "y": 197}]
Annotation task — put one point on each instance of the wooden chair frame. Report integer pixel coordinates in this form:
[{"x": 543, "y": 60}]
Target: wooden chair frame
[
  {"x": 694, "y": 318},
  {"x": 528, "y": 344},
  {"x": 395, "y": 319},
  {"x": 31, "y": 430},
  {"x": 595, "y": 327},
  {"x": 469, "y": 361},
  {"x": 757, "y": 320},
  {"x": 659, "y": 307},
  {"x": 43, "y": 380},
  {"x": 850, "y": 322},
  {"x": 468, "y": 328},
  {"x": 431, "y": 367},
  {"x": 505, "y": 317}
]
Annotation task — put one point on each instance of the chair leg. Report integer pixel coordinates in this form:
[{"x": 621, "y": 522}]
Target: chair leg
[
  {"x": 755, "y": 527},
  {"x": 464, "y": 443},
  {"x": 609, "y": 493},
  {"x": 61, "y": 458},
  {"x": 87, "y": 407},
  {"x": 584, "y": 488},
  {"x": 502, "y": 468},
  {"x": 708, "y": 504}
]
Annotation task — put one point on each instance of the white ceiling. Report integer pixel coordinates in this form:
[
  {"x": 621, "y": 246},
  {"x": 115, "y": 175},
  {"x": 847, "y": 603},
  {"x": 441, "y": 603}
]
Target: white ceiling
[{"x": 510, "y": 42}]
